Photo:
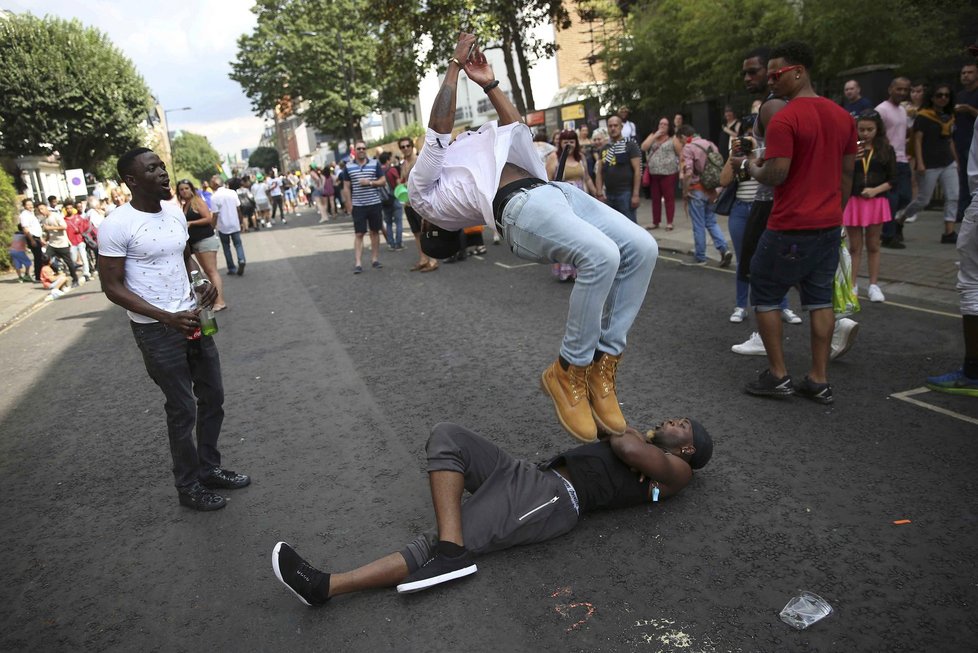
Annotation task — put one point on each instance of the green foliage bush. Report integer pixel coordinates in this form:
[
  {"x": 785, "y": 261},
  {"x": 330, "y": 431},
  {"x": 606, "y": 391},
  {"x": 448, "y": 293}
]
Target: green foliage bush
[{"x": 9, "y": 209}]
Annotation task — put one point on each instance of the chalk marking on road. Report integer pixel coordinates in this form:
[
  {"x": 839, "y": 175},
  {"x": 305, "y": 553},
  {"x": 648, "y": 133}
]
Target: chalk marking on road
[
  {"x": 921, "y": 310},
  {"x": 907, "y": 396},
  {"x": 515, "y": 267}
]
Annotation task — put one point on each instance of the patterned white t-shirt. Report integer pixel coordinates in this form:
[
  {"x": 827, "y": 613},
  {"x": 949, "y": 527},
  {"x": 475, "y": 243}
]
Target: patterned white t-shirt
[{"x": 153, "y": 246}]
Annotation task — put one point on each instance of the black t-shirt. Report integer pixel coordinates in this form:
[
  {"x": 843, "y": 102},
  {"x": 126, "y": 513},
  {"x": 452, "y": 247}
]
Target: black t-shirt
[
  {"x": 936, "y": 147},
  {"x": 616, "y": 165},
  {"x": 197, "y": 232},
  {"x": 881, "y": 169},
  {"x": 964, "y": 122},
  {"x": 601, "y": 479}
]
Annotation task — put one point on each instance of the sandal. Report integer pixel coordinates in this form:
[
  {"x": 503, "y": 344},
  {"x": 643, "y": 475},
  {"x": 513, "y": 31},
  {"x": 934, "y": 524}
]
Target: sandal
[
  {"x": 481, "y": 249},
  {"x": 418, "y": 266},
  {"x": 431, "y": 266},
  {"x": 668, "y": 227}
]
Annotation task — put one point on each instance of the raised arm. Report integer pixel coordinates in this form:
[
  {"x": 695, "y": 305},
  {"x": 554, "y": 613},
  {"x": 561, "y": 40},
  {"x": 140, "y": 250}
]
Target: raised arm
[
  {"x": 442, "y": 118},
  {"x": 479, "y": 71}
]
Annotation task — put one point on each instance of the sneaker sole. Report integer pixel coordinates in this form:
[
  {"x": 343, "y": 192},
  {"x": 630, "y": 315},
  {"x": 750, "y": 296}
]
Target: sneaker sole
[
  {"x": 546, "y": 391},
  {"x": 417, "y": 586},
  {"x": 825, "y": 401},
  {"x": 963, "y": 392},
  {"x": 278, "y": 573},
  {"x": 755, "y": 352},
  {"x": 850, "y": 340}
]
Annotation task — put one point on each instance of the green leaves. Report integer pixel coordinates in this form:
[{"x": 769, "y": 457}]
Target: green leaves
[
  {"x": 195, "y": 154},
  {"x": 68, "y": 86}
]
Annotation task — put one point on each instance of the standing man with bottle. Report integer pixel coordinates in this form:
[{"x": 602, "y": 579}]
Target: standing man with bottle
[{"x": 145, "y": 267}]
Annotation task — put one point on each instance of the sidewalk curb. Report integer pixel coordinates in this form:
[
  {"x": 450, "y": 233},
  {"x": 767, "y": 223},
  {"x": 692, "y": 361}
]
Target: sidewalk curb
[{"x": 22, "y": 313}]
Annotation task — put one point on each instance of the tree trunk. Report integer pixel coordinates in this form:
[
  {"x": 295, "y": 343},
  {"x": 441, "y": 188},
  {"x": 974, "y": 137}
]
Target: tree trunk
[
  {"x": 524, "y": 69},
  {"x": 511, "y": 73}
]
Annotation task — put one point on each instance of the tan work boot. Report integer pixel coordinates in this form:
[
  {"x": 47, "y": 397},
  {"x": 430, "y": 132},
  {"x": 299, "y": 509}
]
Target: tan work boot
[
  {"x": 604, "y": 400},
  {"x": 569, "y": 393}
]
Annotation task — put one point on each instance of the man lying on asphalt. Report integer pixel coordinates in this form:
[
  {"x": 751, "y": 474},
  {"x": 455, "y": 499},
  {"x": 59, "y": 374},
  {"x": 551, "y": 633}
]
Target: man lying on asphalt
[
  {"x": 512, "y": 502},
  {"x": 494, "y": 177}
]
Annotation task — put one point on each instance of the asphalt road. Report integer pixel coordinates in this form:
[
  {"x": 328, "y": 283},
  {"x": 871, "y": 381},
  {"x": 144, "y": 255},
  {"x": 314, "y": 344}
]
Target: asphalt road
[{"x": 332, "y": 384}]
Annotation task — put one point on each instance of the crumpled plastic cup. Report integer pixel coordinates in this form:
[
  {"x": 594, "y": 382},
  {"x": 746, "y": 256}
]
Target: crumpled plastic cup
[
  {"x": 401, "y": 193},
  {"x": 804, "y": 609}
]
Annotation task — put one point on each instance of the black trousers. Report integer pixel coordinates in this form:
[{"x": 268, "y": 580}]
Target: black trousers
[
  {"x": 37, "y": 250},
  {"x": 64, "y": 253}
]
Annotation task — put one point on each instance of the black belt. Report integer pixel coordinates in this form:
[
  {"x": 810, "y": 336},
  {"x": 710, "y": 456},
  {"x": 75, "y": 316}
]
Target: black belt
[
  {"x": 508, "y": 192},
  {"x": 806, "y": 232}
]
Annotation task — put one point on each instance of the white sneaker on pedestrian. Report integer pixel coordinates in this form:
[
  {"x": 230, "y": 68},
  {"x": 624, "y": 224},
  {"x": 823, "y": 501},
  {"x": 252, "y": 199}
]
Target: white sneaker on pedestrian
[
  {"x": 753, "y": 346},
  {"x": 843, "y": 337},
  {"x": 875, "y": 294},
  {"x": 739, "y": 315},
  {"x": 789, "y": 316}
]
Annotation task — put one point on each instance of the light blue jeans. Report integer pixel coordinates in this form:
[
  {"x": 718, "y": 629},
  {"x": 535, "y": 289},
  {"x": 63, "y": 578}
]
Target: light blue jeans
[
  {"x": 704, "y": 219},
  {"x": 737, "y": 223},
  {"x": 226, "y": 240},
  {"x": 614, "y": 257}
]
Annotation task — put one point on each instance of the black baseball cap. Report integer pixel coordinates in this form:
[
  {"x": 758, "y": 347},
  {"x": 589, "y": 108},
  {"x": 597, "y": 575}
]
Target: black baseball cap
[
  {"x": 439, "y": 243},
  {"x": 703, "y": 443}
]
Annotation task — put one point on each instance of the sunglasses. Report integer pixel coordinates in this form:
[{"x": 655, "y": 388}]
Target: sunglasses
[
  {"x": 775, "y": 75},
  {"x": 942, "y": 95},
  {"x": 361, "y": 149}
]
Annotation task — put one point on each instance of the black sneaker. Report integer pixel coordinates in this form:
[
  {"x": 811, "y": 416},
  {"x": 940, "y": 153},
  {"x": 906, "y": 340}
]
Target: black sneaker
[
  {"x": 949, "y": 239},
  {"x": 768, "y": 385},
  {"x": 439, "y": 569},
  {"x": 299, "y": 576},
  {"x": 198, "y": 497},
  {"x": 725, "y": 259},
  {"x": 225, "y": 479},
  {"x": 818, "y": 392}
]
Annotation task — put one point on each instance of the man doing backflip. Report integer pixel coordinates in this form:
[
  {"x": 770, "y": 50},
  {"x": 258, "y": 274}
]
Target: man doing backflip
[
  {"x": 493, "y": 176},
  {"x": 512, "y": 502}
]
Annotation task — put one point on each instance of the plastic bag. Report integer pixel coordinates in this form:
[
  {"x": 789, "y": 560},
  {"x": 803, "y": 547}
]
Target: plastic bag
[{"x": 845, "y": 302}]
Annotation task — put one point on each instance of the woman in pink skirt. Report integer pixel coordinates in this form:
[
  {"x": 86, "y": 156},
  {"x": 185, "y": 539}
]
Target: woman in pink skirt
[{"x": 868, "y": 207}]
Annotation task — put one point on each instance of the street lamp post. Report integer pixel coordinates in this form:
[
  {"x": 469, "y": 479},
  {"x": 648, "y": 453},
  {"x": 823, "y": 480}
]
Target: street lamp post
[{"x": 166, "y": 126}]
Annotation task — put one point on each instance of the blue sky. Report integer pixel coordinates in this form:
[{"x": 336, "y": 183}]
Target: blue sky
[{"x": 182, "y": 50}]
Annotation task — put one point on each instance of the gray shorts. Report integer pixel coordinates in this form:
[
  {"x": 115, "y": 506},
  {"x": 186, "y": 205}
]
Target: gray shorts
[{"x": 512, "y": 501}]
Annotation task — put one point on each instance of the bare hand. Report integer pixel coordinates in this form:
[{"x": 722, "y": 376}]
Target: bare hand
[
  {"x": 478, "y": 68},
  {"x": 365, "y": 182},
  {"x": 635, "y": 201},
  {"x": 186, "y": 322},
  {"x": 466, "y": 42},
  {"x": 207, "y": 295}
]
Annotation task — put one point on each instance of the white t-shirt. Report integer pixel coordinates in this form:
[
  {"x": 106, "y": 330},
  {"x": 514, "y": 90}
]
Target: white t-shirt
[
  {"x": 225, "y": 203},
  {"x": 274, "y": 186},
  {"x": 30, "y": 222},
  {"x": 260, "y": 190},
  {"x": 453, "y": 185},
  {"x": 153, "y": 246}
]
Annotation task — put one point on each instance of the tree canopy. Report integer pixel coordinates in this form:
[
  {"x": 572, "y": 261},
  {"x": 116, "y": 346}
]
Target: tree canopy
[
  {"x": 264, "y": 158},
  {"x": 669, "y": 51},
  {"x": 195, "y": 154},
  {"x": 65, "y": 87}
]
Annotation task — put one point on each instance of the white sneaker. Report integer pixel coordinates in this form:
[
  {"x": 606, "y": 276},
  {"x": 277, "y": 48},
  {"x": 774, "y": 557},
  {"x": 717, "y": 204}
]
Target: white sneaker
[
  {"x": 843, "y": 337},
  {"x": 753, "y": 346},
  {"x": 739, "y": 315},
  {"x": 875, "y": 294},
  {"x": 789, "y": 316}
]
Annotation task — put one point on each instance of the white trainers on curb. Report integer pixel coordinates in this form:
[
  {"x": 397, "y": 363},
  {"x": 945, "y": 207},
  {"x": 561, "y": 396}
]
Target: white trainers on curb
[
  {"x": 875, "y": 294},
  {"x": 789, "y": 316},
  {"x": 739, "y": 315},
  {"x": 843, "y": 337},
  {"x": 753, "y": 346}
]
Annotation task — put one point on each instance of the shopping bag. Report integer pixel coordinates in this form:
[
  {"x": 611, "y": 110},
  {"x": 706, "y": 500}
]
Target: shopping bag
[{"x": 845, "y": 302}]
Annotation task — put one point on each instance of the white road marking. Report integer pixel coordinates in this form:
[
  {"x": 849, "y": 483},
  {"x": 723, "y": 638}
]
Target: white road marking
[
  {"x": 514, "y": 267},
  {"x": 907, "y": 396}
]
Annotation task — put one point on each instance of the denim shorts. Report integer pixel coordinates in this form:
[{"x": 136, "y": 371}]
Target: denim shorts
[
  {"x": 367, "y": 216},
  {"x": 209, "y": 244},
  {"x": 803, "y": 259}
]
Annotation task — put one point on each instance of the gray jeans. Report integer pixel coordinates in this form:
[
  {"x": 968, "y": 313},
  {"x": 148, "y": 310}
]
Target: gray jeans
[
  {"x": 948, "y": 178},
  {"x": 513, "y": 502}
]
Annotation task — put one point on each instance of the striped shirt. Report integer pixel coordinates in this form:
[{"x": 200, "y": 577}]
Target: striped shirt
[{"x": 363, "y": 195}]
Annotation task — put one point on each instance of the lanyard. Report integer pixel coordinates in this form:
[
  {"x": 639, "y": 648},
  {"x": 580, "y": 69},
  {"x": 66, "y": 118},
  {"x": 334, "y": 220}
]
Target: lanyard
[{"x": 865, "y": 162}]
